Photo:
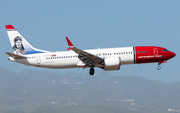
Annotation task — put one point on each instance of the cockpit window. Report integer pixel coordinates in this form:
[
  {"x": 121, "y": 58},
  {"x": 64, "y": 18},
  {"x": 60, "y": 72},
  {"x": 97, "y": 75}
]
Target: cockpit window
[{"x": 164, "y": 50}]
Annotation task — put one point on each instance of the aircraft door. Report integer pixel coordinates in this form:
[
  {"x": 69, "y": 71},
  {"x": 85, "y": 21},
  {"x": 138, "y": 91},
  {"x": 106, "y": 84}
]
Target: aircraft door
[
  {"x": 155, "y": 51},
  {"x": 156, "y": 54},
  {"x": 38, "y": 59}
]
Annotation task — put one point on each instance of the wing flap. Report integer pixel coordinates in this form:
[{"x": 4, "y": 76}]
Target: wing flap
[{"x": 86, "y": 55}]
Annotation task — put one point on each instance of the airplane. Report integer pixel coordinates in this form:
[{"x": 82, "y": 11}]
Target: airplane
[{"x": 108, "y": 59}]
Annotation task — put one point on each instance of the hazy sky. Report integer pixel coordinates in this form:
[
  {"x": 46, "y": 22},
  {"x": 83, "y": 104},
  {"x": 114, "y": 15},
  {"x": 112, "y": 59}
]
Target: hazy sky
[{"x": 92, "y": 24}]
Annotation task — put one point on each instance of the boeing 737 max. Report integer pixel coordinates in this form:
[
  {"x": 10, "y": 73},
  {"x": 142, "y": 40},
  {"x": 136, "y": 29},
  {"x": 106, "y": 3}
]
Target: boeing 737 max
[{"x": 109, "y": 59}]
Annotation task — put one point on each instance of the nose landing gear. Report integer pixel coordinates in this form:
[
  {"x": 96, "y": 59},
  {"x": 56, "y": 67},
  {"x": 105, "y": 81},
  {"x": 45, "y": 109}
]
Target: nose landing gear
[
  {"x": 91, "y": 71},
  {"x": 159, "y": 67}
]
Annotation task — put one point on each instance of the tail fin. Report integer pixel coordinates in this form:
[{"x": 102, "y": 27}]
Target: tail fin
[{"x": 19, "y": 44}]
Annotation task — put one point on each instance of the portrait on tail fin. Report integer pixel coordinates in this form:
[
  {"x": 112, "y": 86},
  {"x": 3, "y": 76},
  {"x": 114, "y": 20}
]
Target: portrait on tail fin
[{"x": 18, "y": 46}]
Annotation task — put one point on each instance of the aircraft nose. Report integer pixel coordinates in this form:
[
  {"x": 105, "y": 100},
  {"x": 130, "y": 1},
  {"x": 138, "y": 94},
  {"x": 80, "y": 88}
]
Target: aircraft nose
[{"x": 172, "y": 54}]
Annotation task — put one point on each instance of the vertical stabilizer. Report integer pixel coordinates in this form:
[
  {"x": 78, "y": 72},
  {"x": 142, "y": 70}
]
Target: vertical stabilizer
[{"x": 19, "y": 44}]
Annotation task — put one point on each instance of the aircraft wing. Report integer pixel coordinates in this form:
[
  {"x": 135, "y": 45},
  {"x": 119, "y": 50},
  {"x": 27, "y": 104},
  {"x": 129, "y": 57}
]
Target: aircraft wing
[
  {"x": 15, "y": 55},
  {"x": 85, "y": 57}
]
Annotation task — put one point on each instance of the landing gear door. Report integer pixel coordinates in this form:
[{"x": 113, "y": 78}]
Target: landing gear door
[{"x": 38, "y": 59}]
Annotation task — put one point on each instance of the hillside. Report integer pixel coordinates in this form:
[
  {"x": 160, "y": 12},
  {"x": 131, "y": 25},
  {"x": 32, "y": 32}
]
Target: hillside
[{"x": 31, "y": 91}]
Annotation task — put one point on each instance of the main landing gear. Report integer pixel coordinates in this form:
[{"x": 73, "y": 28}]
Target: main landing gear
[{"x": 91, "y": 71}]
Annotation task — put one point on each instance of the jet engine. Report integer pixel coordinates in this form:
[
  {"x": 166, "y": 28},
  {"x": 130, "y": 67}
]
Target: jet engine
[{"x": 112, "y": 63}]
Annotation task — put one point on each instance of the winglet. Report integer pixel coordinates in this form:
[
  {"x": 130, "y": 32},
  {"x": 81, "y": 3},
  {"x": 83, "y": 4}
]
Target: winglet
[
  {"x": 9, "y": 27},
  {"x": 69, "y": 43}
]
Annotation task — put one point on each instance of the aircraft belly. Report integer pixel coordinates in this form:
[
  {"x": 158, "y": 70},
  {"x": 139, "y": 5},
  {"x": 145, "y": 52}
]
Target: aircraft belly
[
  {"x": 59, "y": 64},
  {"x": 24, "y": 61},
  {"x": 66, "y": 63}
]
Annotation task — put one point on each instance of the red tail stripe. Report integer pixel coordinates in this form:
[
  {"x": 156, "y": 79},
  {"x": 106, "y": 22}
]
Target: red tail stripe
[{"x": 9, "y": 27}]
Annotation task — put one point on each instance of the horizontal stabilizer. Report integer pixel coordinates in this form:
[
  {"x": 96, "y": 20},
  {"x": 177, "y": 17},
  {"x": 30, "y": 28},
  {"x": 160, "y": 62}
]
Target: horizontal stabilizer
[{"x": 15, "y": 55}]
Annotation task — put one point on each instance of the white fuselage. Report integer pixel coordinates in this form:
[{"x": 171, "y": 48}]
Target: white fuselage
[
  {"x": 109, "y": 59},
  {"x": 69, "y": 59}
]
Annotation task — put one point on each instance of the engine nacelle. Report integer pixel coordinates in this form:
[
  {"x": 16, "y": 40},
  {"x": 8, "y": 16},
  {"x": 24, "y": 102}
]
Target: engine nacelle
[{"x": 112, "y": 63}]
